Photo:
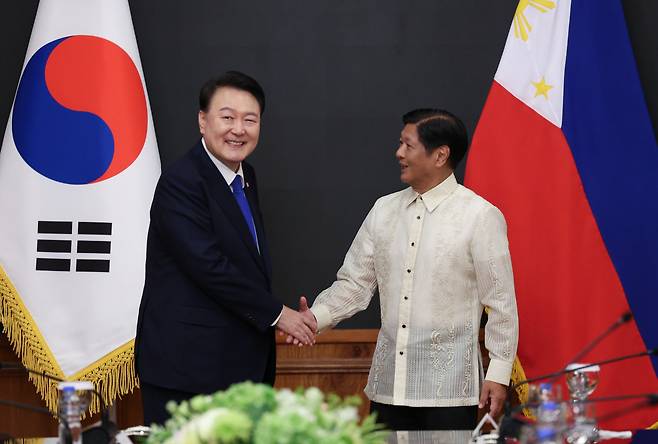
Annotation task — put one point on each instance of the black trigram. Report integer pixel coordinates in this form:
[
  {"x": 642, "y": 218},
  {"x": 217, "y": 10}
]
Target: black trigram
[{"x": 56, "y": 240}]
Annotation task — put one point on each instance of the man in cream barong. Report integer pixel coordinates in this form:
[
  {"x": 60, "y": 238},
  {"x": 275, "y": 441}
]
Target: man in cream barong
[{"x": 438, "y": 254}]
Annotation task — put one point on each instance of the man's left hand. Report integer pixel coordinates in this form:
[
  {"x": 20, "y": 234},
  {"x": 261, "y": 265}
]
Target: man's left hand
[{"x": 495, "y": 394}]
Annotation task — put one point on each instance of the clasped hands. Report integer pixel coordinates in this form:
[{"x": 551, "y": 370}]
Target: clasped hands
[{"x": 300, "y": 326}]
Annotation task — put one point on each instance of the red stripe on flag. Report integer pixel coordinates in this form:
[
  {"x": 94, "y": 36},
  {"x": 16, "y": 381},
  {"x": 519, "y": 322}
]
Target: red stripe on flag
[{"x": 567, "y": 289}]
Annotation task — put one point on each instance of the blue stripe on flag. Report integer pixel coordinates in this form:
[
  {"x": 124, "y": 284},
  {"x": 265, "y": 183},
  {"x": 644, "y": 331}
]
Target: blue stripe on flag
[{"x": 607, "y": 125}]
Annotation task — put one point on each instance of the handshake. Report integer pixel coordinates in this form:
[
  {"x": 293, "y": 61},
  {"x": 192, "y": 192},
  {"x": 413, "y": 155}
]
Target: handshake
[{"x": 300, "y": 326}]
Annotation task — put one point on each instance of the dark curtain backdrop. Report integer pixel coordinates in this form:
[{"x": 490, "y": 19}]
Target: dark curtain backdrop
[{"x": 338, "y": 74}]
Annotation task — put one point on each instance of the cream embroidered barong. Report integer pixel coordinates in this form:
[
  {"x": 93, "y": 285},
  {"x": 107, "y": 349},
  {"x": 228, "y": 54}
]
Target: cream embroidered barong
[{"x": 437, "y": 259}]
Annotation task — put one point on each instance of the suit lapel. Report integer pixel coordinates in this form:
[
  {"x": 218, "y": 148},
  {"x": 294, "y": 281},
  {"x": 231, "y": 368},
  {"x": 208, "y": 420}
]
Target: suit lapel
[{"x": 223, "y": 195}]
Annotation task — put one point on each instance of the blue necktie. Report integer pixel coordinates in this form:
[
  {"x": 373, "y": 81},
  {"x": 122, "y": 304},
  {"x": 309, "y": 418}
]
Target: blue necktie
[{"x": 241, "y": 199}]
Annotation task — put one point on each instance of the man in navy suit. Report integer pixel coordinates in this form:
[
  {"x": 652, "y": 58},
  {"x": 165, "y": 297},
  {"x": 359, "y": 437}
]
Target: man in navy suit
[{"x": 208, "y": 315}]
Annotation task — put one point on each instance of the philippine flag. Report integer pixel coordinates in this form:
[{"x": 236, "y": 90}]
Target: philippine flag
[
  {"x": 78, "y": 167},
  {"x": 565, "y": 148}
]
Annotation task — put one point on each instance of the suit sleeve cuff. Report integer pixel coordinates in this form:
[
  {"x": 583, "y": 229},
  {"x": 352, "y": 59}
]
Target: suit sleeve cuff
[
  {"x": 499, "y": 371},
  {"x": 323, "y": 317}
]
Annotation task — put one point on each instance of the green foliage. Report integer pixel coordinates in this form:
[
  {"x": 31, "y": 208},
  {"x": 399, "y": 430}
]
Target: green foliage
[{"x": 256, "y": 413}]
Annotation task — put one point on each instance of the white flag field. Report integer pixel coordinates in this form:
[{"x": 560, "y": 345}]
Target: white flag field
[{"x": 78, "y": 166}]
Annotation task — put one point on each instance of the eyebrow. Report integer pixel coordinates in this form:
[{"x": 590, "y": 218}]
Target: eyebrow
[{"x": 228, "y": 108}]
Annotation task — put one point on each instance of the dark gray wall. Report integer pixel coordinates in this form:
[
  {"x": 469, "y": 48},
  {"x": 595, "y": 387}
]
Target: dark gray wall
[{"x": 338, "y": 74}]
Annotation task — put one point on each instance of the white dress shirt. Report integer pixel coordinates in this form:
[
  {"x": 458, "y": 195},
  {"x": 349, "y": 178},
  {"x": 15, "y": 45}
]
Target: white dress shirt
[
  {"x": 227, "y": 173},
  {"x": 437, "y": 259}
]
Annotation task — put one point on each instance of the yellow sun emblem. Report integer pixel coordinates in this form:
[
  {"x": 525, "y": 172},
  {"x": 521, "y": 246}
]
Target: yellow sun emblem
[{"x": 521, "y": 24}]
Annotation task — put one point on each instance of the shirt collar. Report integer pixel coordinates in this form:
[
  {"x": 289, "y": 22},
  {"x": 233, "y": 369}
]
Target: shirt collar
[
  {"x": 227, "y": 173},
  {"x": 432, "y": 198}
]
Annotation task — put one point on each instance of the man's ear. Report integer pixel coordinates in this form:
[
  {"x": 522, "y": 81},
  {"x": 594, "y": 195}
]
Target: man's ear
[
  {"x": 442, "y": 154},
  {"x": 202, "y": 122}
]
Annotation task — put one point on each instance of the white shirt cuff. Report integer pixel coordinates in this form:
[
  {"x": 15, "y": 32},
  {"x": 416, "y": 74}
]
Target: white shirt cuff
[
  {"x": 499, "y": 371},
  {"x": 277, "y": 319},
  {"x": 323, "y": 317}
]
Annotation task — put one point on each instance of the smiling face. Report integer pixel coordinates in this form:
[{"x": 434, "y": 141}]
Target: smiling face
[
  {"x": 420, "y": 169},
  {"x": 230, "y": 125}
]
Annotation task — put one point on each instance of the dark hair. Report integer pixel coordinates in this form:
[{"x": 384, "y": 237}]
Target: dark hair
[
  {"x": 233, "y": 79},
  {"x": 438, "y": 127}
]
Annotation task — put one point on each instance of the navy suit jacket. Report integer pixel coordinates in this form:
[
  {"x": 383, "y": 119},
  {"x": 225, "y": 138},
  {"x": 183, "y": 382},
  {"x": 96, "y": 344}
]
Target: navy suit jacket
[{"x": 207, "y": 308}]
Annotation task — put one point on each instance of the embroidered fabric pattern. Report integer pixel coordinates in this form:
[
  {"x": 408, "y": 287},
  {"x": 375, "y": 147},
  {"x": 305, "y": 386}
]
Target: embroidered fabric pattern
[
  {"x": 443, "y": 354},
  {"x": 468, "y": 361},
  {"x": 377, "y": 363}
]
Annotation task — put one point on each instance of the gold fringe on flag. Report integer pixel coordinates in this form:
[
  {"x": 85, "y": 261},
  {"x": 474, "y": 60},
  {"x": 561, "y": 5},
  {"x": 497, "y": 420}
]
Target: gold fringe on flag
[
  {"x": 518, "y": 375},
  {"x": 27, "y": 341},
  {"x": 26, "y": 441},
  {"x": 113, "y": 375}
]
